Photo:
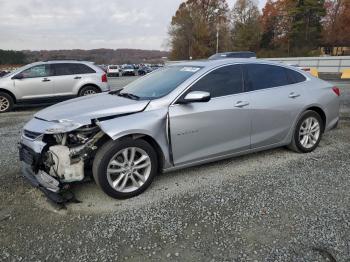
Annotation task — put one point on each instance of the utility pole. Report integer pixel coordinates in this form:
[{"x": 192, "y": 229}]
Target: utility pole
[
  {"x": 217, "y": 38},
  {"x": 216, "y": 11}
]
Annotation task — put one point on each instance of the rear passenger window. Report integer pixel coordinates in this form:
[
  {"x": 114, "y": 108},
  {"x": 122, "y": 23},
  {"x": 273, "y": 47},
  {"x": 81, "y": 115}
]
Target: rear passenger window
[
  {"x": 72, "y": 69},
  {"x": 260, "y": 76},
  {"x": 221, "y": 82},
  {"x": 295, "y": 77},
  {"x": 61, "y": 69},
  {"x": 82, "y": 69}
]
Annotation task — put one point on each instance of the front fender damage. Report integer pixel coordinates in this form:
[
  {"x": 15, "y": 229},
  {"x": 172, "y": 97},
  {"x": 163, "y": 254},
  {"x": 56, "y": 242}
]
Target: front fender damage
[
  {"x": 68, "y": 148},
  {"x": 151, "y": 123}
]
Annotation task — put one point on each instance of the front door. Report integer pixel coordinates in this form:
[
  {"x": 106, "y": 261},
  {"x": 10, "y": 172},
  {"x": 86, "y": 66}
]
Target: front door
[
  {"x": 36, "y": 83},
  {"x": 221, "y": 126}
]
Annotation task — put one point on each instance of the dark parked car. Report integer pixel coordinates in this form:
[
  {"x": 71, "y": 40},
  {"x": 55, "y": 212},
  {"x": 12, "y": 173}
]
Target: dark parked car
[
  {"x": 240, "y": 54},
  {"x": 128, "y": 70},
  {"x": 144, "y": 70},
  {"x": 2, "y": 73}
]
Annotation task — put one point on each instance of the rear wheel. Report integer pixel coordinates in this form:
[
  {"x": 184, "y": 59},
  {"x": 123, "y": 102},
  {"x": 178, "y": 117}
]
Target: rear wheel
[
  {"x": 6, "y": 102},
  {"x": 88, "y": 90},
  {"x": 125, "y": 168},
  {"x": 308, "y": 132}
]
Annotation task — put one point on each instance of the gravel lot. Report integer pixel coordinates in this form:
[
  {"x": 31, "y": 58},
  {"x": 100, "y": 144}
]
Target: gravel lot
[{"x": 269, "y": 206}]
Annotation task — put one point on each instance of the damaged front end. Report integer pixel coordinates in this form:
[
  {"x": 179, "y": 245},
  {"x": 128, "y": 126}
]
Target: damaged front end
[{"x": 58, "y": 156}]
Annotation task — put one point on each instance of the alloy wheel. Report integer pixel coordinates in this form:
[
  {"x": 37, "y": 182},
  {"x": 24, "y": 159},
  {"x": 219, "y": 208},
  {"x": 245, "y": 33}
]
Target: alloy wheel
[
  {"x": 129, "y": 169},
  {"x": 89, "y": 92},
  {"x": 309, "y": 132},
  {"x": 4, "y": 104}
]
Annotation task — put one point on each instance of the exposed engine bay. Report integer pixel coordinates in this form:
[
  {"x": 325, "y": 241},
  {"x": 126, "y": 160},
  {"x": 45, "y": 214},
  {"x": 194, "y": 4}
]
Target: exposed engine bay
[{"x": 67, "y": 154}]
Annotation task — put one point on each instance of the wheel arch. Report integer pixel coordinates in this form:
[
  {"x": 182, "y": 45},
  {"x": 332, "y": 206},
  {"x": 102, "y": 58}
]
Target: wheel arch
[
  {"x": 153, "y": 142},
  {"x": 321, "y": 113},
  {"x": 9, "y": 93},
  {"x": 88, "y": 84}
]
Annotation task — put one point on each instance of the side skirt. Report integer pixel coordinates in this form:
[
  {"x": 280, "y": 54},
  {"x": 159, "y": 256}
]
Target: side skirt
[{"x": 226, "y": 156}]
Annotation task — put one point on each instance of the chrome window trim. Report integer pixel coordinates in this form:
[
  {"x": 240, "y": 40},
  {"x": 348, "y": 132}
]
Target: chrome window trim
[
  {"x": 203, "y": 75},
  {"x": 307, "y": 79}
]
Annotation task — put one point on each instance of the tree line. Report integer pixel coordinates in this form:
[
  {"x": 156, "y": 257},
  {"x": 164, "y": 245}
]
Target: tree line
[
  {"x": 99, "y": 56},
  {"x": 9, "y": 57},
  {"x": 281, "y": 28}
]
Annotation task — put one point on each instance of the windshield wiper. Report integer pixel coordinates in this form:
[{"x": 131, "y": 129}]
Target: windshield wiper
[
  {"x": 128, "y": 95},
  {"x": 115, "y": 92}
]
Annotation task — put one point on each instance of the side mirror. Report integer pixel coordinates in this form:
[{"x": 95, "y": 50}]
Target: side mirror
[
  {"x": 18, "y": 76},
  {"x": 196, "y": 96}
]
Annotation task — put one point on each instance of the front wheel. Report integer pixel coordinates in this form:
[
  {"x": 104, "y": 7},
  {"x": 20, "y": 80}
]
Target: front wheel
[
  {"x": 125, "y": 168},
  {"x": 307, "y": 133}
]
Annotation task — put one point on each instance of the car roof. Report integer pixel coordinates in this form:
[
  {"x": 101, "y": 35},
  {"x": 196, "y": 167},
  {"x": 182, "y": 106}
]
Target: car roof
[
  {"x": 61, "y": 61},
  {"x": 224, "y": 61},
  {"x": 235, "y": 52}
]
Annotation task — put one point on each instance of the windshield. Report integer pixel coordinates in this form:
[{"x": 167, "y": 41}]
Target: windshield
[
  {"x": 161, "y": 82},
  {"x": 128, "y": 67}
]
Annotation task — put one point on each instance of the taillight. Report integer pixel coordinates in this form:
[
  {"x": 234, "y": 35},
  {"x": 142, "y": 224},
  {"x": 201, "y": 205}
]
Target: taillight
[
  {"x": 104, "y": 78},
  {"x": 336, "y": 90}
]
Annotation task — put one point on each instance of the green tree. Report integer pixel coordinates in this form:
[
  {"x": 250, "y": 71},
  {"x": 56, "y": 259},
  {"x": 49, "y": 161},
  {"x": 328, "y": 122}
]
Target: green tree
[
  {"x": 193, "y": 29},
  {"x": 306, "y": 25},
  {"x": 246, "y": 27}
]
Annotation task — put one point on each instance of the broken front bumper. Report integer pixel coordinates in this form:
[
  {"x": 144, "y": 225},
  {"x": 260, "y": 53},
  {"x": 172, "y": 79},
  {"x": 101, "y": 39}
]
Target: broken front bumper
[{"x": 50, "y": 186}]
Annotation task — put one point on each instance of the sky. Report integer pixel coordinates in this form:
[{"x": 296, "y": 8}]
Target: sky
[{"x": 86, "y": 24}]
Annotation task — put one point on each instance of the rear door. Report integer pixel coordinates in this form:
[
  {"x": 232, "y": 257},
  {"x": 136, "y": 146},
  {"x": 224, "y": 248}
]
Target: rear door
[
  {"x": 275, "y": 101},
  {"x": 69, "y": 77},
  {"x": 64, "y": 79},
  {"x": 37, "y": 83},
  {"x": 209, "y": 129}
]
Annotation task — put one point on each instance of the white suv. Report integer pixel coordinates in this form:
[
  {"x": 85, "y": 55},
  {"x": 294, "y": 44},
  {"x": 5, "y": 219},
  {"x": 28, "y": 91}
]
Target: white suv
[
  {"x": 114, "y": 71},
  {"x": 49, "y": 82}
]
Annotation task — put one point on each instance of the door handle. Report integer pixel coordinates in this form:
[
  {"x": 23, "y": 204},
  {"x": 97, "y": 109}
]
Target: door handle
[
  {"x": 241, "y": 104},
  {"x": 293, "y": 95},
  {"x": 45, "y": 80},
  {"x": 77, "y": 77}
]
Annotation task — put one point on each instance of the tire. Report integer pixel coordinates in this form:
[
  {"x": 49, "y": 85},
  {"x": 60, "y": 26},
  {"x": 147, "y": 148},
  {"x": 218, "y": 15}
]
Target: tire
[
  {"x": 307, "y": 142},
  {"x": 88, "y": 90},
  {"x": 111, "y": 157},
  {"x": 6, "y": 102}
]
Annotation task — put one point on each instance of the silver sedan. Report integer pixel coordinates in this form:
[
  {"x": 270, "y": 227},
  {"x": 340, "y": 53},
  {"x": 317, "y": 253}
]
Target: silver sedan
[{"x": 181, "y": 115}]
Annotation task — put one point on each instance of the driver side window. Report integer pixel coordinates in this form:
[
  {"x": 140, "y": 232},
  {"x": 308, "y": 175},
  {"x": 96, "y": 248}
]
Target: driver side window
[
  {"x": 36, "y": 71},
  {"x": 227, "y": 80}
]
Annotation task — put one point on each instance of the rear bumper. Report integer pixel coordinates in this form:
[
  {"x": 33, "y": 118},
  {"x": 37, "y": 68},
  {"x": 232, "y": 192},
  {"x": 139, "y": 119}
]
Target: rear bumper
[
  {"x": 129, "y": 73},
  {"x": 114, "y": 74}
]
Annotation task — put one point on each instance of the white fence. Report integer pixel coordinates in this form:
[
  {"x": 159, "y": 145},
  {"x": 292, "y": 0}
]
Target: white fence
[{"x": 331, "y": 64}]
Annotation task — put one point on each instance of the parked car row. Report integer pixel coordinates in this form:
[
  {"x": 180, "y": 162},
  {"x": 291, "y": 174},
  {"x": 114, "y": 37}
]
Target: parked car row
[{"x": 129, "y": 69}]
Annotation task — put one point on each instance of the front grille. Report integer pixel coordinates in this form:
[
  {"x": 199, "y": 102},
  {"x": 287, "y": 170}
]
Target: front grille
[
  {"x": 31, "y": 135},
  {"x": 26, "y": 155}
]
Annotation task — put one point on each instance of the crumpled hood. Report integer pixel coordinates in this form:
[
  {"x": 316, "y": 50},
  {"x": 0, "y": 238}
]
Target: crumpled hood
[{"x": 82, "y": 110}]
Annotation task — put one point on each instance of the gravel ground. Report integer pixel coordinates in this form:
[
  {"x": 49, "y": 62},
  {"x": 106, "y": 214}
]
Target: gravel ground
[{"x": 270, "y": 206}]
